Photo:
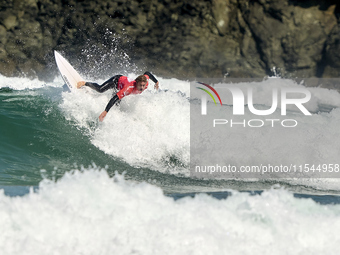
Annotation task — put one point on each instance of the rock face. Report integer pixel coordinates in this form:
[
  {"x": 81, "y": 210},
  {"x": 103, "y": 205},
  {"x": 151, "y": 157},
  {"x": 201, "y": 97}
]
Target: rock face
[{"x": 216, "y": 38}]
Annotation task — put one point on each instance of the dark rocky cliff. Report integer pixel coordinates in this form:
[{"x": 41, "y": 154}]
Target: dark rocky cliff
[{"x": 216, "y": 38}]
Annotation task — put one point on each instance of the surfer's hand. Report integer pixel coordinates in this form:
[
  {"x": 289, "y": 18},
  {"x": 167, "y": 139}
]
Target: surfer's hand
[
  {"x": 102, "y": 116},
  {"x": 80, "y": 84},
  {"x": 157, "y": 85}
]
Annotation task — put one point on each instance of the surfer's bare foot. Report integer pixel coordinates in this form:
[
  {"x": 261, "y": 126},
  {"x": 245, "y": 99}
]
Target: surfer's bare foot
[{"x": 80, "y": 84}]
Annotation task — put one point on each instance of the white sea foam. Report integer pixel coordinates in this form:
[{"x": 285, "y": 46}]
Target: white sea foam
[
  {"x": 21, "y": 83},
  {"x": 90, "y": 213},
  {"x": 146, "y": 130}
]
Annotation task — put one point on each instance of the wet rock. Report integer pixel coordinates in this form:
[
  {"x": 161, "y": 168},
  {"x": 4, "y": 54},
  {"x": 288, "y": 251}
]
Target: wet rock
[
  {"x": 185, "y": 39},
  {"x": 291, "y": 37},
  {"x": 10, "y": 21},
  {"x": 332, "y": 54}
]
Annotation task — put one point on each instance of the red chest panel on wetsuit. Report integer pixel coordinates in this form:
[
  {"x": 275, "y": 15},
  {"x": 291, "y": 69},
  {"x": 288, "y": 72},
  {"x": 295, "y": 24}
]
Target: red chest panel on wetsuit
[{"x": 127, "y": 87}]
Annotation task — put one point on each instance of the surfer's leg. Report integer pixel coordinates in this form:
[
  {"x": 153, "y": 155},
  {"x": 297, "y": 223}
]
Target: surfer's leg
[
  {"x": 109, "y": 84},
  {"x": 94, "y": 86}
]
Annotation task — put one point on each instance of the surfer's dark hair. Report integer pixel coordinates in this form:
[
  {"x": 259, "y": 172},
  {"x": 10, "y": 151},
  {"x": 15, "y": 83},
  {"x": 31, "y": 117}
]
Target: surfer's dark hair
[{"x": 141, "y": 78}]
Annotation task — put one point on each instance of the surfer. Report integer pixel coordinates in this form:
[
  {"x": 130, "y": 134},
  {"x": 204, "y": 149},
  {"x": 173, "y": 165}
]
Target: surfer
[{"x": 123, "y": 85}]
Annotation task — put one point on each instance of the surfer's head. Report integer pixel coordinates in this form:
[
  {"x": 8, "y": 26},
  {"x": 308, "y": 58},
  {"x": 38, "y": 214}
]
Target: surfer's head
[{"x": 141, "y": 82}]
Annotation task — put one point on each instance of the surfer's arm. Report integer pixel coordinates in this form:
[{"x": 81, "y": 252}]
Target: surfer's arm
[
  {"x": 113, "y": 100},
  {"x": 102, "y": 115},
  {"x": 153, "y": 78}
]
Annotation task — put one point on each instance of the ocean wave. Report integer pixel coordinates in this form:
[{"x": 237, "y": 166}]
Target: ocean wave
[
  {"x": 87, "y": 212},
  {"x": 152, "y": 131}
]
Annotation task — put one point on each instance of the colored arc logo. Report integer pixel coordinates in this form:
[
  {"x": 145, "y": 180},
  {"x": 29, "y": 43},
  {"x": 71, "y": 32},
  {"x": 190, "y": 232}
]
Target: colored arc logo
[{"x": 218, "y": 96}]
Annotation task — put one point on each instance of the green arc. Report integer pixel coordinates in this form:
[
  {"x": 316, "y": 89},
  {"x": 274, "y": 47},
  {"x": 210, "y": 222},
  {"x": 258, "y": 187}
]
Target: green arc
[{"x": 208, "y": 93}]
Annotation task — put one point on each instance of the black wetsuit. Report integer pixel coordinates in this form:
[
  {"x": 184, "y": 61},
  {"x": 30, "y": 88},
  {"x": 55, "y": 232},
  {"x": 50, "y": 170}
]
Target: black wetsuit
[
  {"x": 112, "y": 83},
  {"x": 109, "y": 84}
]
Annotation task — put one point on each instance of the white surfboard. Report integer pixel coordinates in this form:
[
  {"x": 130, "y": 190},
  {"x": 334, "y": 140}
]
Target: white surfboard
[{"x": 70, "y": 76}]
